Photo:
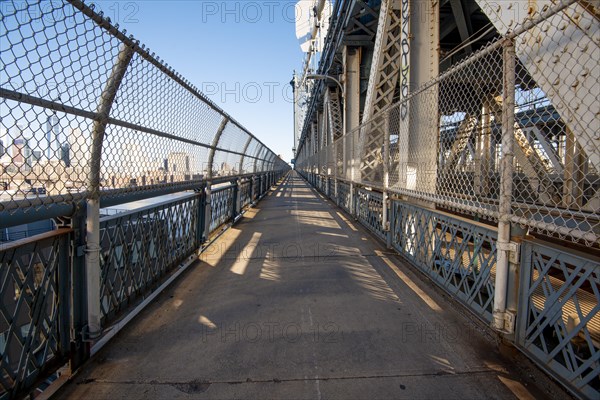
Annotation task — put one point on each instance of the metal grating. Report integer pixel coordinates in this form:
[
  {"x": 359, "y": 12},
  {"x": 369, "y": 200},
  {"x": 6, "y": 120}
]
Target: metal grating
[
  {"x": 559, "y": 322},
  {"x": 33, "y": 308},
  {"x": 138, "y": 248}
]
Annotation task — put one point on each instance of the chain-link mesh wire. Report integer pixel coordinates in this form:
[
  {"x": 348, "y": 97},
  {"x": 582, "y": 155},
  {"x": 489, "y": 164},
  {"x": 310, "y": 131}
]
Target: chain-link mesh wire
[
  {"x": 233, "y": 138},
  {"x": 53, "y": 53},
  {"x": 445, "y": 139},
  {"x": 557, "y": 126},
  {"x": 450, "y": 159},
  {"x": 368, "y": 151},
  {"x": 57, "y": 59}
]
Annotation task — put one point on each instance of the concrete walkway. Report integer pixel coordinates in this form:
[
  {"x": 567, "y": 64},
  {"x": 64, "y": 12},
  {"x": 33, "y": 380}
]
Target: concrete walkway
[{"x": 298, "y": 301}]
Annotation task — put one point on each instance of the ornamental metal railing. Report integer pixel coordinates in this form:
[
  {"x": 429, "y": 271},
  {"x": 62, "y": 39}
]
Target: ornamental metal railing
[
  {"x": 554, "y": 294},
  {"x": 34, "y": 309},
  {"x": 43, "y": 319}
]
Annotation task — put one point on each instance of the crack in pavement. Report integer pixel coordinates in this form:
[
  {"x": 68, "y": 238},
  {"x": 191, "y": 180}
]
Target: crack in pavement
[
  {"x": 303, "y": 257},
  {"x": 202, "y": 383}
]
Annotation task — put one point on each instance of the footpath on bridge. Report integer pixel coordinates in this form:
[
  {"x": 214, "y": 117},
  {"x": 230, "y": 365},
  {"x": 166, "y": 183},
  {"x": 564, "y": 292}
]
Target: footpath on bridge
[{"x": 298, "y": 301}]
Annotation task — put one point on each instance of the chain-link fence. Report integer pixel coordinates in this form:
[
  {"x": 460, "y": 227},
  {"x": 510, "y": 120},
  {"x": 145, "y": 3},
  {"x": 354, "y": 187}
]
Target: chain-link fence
[
  {"x": 90, "y": 118},
  {"x": 454, "y": 160},
  {"x": 84, "y": 108}
]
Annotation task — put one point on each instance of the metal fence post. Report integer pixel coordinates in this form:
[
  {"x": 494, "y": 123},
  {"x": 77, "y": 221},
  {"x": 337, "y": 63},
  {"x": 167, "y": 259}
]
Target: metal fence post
[
  {"x": 256, "y": 185},
  {"x": 506, "y": 185},
  {"x": 207, "y": 210},
  {"x": 80, "y": 350},
  {"x": 392, "y": 225},
  {"x": 64, "y": 286},
  {"x": 351, "y": 199},
  {"x": 238, "y": 197},
  {"x": 267, "y": 186},
  {"x": 524, "y": 285},
  {"x": 517, "y": 233},
  {"x": 64, "y": 292},
  {"x": 335, "y": 187},
  {"x": 235, "y": 201},
  {"x": 201, "y": 218},
  {"x": 92, "y": 258}
]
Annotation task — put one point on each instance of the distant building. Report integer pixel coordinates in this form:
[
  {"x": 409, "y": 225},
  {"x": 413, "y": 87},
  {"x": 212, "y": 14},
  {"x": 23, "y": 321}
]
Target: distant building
[
  {"x": 178, "y": 162},
  {"x": 79, "y": 148},
  {"x": 65, "y": 154},
  {"x": 52, "y": 133},
  {"x": 226, "y": 169},
  {"x": 20, "y": 150}
]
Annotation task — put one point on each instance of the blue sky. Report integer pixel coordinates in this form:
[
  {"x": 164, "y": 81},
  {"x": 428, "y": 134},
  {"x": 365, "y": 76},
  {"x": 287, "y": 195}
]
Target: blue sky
[{"x": 240, "y": 53}]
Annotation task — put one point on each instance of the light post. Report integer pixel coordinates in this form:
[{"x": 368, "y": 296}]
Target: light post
[{"x": 325, "y": 77}]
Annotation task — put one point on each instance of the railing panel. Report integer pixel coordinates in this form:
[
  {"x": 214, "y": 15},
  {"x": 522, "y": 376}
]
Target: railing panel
[
  {"x": 246, "y": 194},
  {"x": 369, "y": 211},
  {"x": 457, "y": 254},
  {"x": 559, "y": 323},
  {"x": 222, "y": 206},
  {"x": 343, "y": 197},
  {"x": 32, "y": 341},
  {"x": 140, "y": 247}
]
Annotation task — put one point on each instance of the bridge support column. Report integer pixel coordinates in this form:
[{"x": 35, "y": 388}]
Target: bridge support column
[
  {"x": 574, "y": 177},
  {"x": 351, "y": 59},
  {"x": 351, "y": 105}
]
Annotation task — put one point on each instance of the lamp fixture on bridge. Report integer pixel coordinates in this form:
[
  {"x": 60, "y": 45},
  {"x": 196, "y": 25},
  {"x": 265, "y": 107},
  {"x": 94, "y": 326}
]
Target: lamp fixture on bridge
[{"x": 325, "y": 77}]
